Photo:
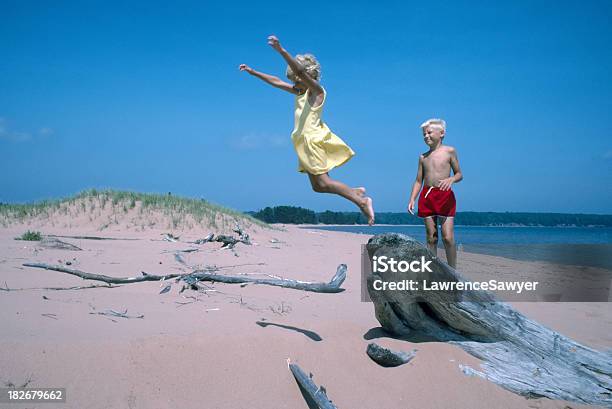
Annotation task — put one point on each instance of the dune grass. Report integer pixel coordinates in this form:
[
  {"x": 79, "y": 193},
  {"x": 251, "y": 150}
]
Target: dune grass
[
  {"x": 178, "y": 209},
  {"x": 31, "y": 236}
]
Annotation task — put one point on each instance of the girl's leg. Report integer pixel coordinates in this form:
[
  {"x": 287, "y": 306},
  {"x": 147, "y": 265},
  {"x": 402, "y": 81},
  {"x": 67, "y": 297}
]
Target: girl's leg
[
  {"x": 324, "y": 184},
  {"x": 448, "y": 237},
  {"x": 431, "y": 232}
]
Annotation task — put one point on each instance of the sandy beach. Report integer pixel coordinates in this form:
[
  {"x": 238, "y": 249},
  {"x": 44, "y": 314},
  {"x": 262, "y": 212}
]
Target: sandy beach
[{"x": 227, "y": 348}]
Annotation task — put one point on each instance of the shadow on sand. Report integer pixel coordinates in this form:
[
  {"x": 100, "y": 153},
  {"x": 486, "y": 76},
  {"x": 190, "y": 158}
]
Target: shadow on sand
[{"x": 310, "y": 334}]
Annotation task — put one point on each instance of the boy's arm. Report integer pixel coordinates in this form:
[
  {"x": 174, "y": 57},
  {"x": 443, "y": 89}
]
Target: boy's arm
[
  {"x": 445, "y": 184},
  {"x": 416, "y": 187},
  {"x": 296, "y": 67},
  {"x": 270, "y": 79}
]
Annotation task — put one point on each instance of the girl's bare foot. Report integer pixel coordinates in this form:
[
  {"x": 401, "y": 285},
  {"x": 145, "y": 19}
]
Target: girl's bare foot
[
  {"x": 368, "y": 210},
  {"x": 361, "y": 191}
]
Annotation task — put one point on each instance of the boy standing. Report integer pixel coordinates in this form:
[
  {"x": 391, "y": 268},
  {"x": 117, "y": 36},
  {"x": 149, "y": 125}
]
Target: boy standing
[{"x": 437, "y": 200}]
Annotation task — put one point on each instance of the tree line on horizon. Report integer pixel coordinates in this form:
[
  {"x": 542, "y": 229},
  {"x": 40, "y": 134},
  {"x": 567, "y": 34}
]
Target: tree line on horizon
[{"x": 300, "y": 215}]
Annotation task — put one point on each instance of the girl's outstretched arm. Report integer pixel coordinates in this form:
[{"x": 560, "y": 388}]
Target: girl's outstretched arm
[
  {"x": 296, "y": 67},
  {"x": 270, "y": 79}
]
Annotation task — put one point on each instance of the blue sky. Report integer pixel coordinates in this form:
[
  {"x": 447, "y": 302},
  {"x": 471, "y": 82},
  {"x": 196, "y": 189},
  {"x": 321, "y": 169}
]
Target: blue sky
[{"x": 147, "y": 96}]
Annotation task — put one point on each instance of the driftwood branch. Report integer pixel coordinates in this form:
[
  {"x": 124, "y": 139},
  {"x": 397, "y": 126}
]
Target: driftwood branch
[
  {"x": 118, "y": 314},
  {"x": 313, "y": 393},
  {"x": 53, "y": 243},
  {"x": 518, "y": 354},
  {"x": 203, "y": 240},
  {"x": 170, "y": 237},
  {"x": 88, "y": 237},
  {"x": 244, "y": 237},
  {"x": 387, "y": 358},
  {"x": 101, "y": 277},
  {"x": 6, "y": 288},
  {"x": 228, "y": 241},
  {"x": 333, "y": 286}
]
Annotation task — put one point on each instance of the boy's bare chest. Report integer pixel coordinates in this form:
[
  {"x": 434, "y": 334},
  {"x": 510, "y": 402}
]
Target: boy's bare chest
[{"x": 437, "y": 161}]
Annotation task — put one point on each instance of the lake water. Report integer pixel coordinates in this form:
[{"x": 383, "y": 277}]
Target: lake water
[{"x": 582, "y": 246}]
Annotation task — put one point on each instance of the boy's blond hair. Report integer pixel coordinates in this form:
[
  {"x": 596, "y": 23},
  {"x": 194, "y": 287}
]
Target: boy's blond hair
[
  {"x": 310, "y": 64},
  {"x": 437, "y": 122}
]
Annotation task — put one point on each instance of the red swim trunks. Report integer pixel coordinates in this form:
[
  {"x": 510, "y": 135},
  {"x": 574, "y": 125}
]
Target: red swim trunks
[{"x": 436, "y": 202}]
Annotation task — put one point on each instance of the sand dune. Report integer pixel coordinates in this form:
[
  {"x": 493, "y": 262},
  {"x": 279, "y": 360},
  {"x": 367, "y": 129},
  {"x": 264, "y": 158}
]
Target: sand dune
[{"x": 119, "y": 211}]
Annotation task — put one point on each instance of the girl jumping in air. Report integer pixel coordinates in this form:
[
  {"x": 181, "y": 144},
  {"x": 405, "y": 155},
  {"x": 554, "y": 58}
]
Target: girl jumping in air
[{"x": 318, "y": 149}]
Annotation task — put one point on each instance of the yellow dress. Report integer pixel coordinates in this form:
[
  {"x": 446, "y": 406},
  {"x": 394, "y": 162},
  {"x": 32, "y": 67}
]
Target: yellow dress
[{"x": 318, "y": 149}]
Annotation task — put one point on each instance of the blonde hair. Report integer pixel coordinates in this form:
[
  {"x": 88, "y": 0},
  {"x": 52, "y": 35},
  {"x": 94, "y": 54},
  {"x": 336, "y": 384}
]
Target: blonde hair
[
  {"x": 310, "y": 64},
  {"x": 437, "y": 122}
]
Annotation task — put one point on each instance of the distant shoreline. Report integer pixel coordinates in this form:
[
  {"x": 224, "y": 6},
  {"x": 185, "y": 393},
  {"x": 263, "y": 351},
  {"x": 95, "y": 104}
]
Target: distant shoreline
[{"x": 300, "y": 215}]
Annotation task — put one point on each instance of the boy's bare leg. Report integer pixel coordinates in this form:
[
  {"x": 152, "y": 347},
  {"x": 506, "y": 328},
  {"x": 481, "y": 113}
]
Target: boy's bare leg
[
  {"x": 448, "y": 237},
  {"x": 431, "y": 232},
  {"x": 324, "y": 184}
]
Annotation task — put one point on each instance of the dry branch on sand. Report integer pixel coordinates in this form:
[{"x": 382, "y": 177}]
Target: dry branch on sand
[
  {"x": 333, "y": 286},
  {"x": 117, "y": 314},
  {"x": 205, "y": 239},
  {"x": 387, "y": 358},
  {"x": 88, "y": 237},
  {"x": 6, "y": 288},
  {"x": 314, "y": 395},
  {"x": 518, "y": 354},
  {"x": 53, "y": 243},
  {"x": 228, "y": 241},
  {"x": 101, "y": 277},
  {"x": 170, "y": 237}
]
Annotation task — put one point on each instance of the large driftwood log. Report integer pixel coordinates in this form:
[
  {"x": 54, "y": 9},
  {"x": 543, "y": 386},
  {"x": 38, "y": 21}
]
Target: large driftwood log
[
  {"x": 518, "y": 354},
  {"x": 333, "y": 286}
]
